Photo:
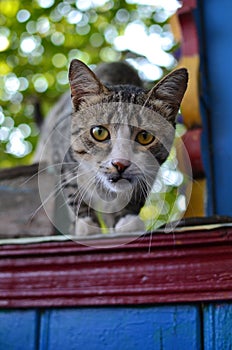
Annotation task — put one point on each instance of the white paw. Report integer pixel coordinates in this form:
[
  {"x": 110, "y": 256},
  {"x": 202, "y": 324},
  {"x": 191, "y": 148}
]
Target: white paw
[
  {"x": 130, "y": 223},
  {"x": 86, "y": 226}
]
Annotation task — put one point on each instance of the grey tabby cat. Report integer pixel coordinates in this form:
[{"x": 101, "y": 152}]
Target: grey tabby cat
[{"x": 108, "y": 150}]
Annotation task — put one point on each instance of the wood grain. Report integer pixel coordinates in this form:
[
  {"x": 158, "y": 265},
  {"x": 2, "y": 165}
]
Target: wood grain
[{"x": 162, "y": 268}]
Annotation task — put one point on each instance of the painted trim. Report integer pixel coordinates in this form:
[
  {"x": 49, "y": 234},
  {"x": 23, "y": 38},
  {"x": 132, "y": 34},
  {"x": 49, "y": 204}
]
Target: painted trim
[{"x": 163, "y": 268}]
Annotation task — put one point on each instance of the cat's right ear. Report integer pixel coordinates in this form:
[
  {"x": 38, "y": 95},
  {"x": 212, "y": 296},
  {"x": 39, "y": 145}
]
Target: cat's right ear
[
  {"x": 83, "y": 82},
  {"x": 170, "y": 91}
]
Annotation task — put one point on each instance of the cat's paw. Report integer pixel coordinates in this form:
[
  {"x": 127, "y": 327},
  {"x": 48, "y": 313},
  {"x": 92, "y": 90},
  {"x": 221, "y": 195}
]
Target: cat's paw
[
  {"x": 86, "y": 226},
  {"x": 130, "y": 223}
]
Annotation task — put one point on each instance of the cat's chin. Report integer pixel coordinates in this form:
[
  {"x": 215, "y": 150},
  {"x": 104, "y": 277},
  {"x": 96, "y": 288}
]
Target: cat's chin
[
  {"x": 119, "y": 185},
  {"x": 122, "y": 185}
]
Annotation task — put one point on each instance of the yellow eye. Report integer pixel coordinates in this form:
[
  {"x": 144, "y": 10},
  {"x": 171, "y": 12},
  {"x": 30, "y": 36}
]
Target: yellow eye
[
  {"x": 100, "y": 133},
  {"x": 144, "y": 138}
]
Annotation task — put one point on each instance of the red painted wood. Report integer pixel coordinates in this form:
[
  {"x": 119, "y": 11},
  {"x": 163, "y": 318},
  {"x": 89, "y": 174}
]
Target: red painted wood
[
  {"x": 187, "y": 5},
  {"x": 192, "y": 142},
  {"x": 189, "y": 45},
  {"x": 176, "y": 267}
]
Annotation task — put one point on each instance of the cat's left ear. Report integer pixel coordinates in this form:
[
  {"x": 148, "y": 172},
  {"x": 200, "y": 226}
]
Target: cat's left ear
[
  {"x": 83, "y": 82},
  {"x": 171, "y": 89}
]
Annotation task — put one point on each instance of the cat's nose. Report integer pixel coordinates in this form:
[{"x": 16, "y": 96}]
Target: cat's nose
[{"x": 121, "y": 164}]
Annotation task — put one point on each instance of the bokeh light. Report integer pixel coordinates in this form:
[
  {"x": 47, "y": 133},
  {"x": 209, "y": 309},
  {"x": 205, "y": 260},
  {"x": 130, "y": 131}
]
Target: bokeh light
[{"x": 4, "y": 42}]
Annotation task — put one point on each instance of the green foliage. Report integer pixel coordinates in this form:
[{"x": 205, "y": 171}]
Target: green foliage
[{"x": 38, "y": 39}]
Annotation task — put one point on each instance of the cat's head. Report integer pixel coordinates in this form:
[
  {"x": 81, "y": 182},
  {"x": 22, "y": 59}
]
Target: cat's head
[{"x": 123, "y": 133}]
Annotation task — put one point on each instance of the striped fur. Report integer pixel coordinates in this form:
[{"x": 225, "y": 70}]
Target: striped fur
[{"x": 90, "y": 181}]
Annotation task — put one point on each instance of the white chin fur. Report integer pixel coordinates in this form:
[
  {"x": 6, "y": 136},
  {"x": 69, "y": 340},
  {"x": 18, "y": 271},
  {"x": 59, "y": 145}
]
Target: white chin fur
[{"x": 121, "y": 185}]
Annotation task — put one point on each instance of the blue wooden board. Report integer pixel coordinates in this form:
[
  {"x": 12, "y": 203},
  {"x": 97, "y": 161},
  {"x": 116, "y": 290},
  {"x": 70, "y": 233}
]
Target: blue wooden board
[
  {"x": 114, "y": 328},
  {"x": 126, "y": 328},
  {"x": 215, "y": 28},
  {"x": 18, "y": 330},
  {"x": 218, "y": 327}
]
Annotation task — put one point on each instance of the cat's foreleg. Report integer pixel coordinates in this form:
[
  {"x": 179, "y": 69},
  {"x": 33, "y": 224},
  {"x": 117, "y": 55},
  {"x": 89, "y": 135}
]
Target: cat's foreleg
[
  {"x": 130, "y": 223},
  {"x": 86, "y": 226}
]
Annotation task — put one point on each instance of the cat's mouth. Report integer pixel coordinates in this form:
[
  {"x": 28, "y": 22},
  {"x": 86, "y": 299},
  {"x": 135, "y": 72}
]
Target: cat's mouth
[
  {"x": 120, "y": 183},
  {"x": 115, "y": 178},
  {"x": 117, "y": 182}
]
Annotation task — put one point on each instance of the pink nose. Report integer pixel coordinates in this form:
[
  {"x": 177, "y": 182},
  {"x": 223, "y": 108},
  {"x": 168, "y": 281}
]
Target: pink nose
[{"x": 121, "y": 164}]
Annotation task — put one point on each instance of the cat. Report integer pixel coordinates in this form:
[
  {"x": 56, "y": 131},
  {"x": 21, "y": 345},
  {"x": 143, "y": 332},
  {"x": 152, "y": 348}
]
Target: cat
[{"x": 109, "y": 148}]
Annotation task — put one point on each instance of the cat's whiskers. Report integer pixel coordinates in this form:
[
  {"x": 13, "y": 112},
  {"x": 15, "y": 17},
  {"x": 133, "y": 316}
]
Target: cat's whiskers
[
  {"x": 82, "y": 192},
  {"x": 40, "y": 171},
  {"x": 143, "y": 188},
  {"x": 57, "y": 188},
  {"x": 148, "y": 203},
  {"x": 51, "y": 195},
  {"x": 92, "y": 194}
]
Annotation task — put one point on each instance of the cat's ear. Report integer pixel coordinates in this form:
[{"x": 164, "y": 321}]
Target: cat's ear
[
  {"x": 171, "y": 89},
  {"x": 83, "y": 82}
]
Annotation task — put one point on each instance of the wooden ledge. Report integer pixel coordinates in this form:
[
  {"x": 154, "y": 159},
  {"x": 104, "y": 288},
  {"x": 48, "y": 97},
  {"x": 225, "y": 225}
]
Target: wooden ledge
[{"x": 183, "y": 266}]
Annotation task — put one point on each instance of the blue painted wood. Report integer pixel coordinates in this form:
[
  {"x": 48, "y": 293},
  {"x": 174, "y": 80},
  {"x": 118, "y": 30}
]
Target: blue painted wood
[
  {"x": 18, "y": 329},
  {"x": 216, "y": 74},
  {"x": 218, "y": 327},
  {"x": 112, "y": 328},
  {"x": 127, "y": 328}
]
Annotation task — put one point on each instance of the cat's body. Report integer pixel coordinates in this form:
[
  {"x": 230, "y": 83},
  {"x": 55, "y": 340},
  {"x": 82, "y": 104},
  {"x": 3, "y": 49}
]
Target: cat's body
[{"x": 109, "y": 149}]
